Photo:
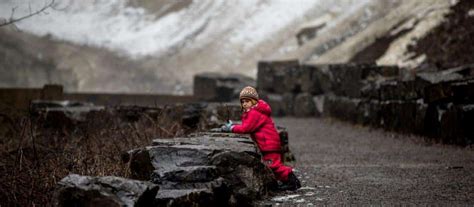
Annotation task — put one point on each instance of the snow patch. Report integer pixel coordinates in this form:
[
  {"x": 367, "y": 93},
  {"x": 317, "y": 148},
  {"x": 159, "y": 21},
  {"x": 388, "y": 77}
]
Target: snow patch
[
  {"x": 300, "y": 200},
  {"x": 285, "y": 198},
  {"x": 470, "y": 13},
  {"x": 307, "y": 188}
]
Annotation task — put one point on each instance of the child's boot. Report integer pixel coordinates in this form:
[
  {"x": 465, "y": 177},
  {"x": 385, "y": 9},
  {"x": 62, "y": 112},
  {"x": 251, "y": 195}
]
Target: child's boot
[{"x": 292, "y": 184}]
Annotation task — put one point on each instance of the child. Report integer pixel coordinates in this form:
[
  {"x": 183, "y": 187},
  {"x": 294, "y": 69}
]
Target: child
[{"x": 256, "y": 121}]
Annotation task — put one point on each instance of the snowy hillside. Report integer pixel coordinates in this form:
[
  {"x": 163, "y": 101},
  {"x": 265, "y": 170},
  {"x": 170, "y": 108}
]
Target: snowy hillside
[
  {"x": 177, "y": 39},
  {"x": 137, "y": 32}
]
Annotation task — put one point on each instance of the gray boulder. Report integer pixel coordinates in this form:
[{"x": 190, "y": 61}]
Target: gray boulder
[
  {"x": 304, "y": 105},
  {"x": 276, "y": 76},
  {"x": 276, "y": 102},
  {"x": 62, "y": 114},
  {"x": 220, "y": 87},
  {"x": 77, "y": 190},
  {"x": 403, "y": 116},
  {"x": 394, "y": 89},
  {"x": 457, "y": 91},
  {"x": 209, "y": 161}
]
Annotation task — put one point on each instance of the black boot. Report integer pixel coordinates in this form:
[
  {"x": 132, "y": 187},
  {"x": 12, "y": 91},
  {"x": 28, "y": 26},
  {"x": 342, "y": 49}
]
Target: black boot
[{"x": 291, "y": 184}]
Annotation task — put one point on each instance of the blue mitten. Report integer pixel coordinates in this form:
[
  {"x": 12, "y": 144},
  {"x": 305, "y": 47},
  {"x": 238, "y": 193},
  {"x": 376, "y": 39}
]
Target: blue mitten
[{"x": 227, "y": 127}]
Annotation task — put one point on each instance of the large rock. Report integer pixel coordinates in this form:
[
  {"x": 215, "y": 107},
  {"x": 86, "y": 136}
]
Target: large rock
[
  {"x": 289, "y": 103},
  {"x": 310, "y": 30},
  {"x": 77, "y": 190},
  {"x": 220, "y": 87},
  {"x": 403, "y": 116},
  {"x": 457, "y": 91},
  {"x": 313, "y": 81},
  {"x": 456, "y": 125},
  {"x": 343, "y": 108},
  {"x": 450, "y": 123},
  {"x": 62, "y": 114},
  {"x": 342, "y": 79},
  {"x": 451, "y": 74},
  {"x": 207, "y": 161},
  {"x": 276, "y": 102},
  {"x": 394, "y": 89},
  {"x": 215, "y": 195},
  {"x": 281, "y": 104},
  {"x": 304, "y": 105},
  {"x": 274, "y": 76},
  {"x": 348, "y": 79}
]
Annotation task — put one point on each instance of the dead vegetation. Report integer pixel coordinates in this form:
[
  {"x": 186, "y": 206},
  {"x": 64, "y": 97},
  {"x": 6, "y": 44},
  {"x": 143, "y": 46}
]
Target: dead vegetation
[{"x": 35, "y": 156}]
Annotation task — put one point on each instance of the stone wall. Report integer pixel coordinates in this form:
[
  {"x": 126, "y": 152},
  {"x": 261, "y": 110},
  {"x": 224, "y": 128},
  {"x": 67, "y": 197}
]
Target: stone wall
[
  {"x": 209, "y": 87},
  {"x": 73, "y": 115},
  {"x": 434, "y": 104},
  {"x": 21, "y": 98}
]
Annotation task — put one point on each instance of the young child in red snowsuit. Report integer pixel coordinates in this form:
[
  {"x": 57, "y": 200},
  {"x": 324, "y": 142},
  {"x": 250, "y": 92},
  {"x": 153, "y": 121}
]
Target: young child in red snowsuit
[{"x": 256, "y": 121}]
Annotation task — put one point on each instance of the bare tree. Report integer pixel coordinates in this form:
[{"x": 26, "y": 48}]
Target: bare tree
[{"x": 12, "y": 20}]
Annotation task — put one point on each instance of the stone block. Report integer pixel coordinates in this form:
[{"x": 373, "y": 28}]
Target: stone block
[
  {"x": 458, "y": 91},
  {"x": 347, "y": 79},
  {"x": 271, "y": 75},
  {"x": 304, "y": 105},
  {"x": 456, "y": 124},
  {"x": 311, "y": 80},
  {"x": 403, "y": 116},
  {"x": 289, "y": 104},
  {"x": 220, "y": 87},
  {"x": 77, "y": 190},
  {"x": 62, "y": 114},
  {"x": 216, "y": 194},
  {"x": 276, "y": 102},
  {"x": 281, "y": 105},
  {"x": 394, "y": 89},
  {"x": 342, "y": 108}
]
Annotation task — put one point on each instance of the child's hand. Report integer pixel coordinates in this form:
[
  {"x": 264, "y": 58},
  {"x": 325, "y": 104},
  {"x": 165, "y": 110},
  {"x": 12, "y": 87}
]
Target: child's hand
[{"x": 227, "y": 127}]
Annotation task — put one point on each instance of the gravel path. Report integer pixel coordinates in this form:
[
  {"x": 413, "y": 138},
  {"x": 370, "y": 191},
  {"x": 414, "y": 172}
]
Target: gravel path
[{"x": 339, "y": 163}]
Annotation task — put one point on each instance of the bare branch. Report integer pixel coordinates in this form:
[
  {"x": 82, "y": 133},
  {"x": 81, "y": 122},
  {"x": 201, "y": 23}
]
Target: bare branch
[{"x": 12, "y": 21}]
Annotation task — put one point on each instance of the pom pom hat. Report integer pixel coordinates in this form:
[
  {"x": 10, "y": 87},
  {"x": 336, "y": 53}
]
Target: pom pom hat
[{"x": 249, "y": 92}]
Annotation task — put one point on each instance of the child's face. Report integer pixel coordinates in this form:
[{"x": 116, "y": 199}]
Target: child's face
[{"x": 246, "y": 103}]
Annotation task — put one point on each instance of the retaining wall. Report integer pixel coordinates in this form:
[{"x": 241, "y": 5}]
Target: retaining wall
[{"x": 435, "y": 104}]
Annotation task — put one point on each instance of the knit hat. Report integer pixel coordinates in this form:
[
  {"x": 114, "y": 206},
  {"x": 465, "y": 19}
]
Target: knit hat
[{"x": 249, "y": 92}]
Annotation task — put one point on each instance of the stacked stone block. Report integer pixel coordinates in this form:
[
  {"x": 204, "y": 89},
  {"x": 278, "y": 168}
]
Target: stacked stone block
[{"x": 434, "y": 104}]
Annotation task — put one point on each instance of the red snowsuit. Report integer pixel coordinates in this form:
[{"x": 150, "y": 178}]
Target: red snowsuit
[{"x": 260, "y": 126}]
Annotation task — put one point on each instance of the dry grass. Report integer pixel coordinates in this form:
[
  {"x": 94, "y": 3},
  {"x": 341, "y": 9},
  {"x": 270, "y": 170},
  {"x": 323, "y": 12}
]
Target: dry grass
[{"x": 34, "y": 156}]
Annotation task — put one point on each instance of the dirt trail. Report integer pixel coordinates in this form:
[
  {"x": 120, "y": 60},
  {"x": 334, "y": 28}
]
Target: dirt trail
[{"x": 339, "y": 163}]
